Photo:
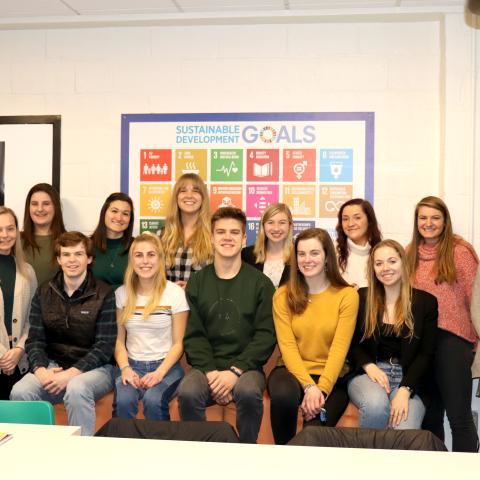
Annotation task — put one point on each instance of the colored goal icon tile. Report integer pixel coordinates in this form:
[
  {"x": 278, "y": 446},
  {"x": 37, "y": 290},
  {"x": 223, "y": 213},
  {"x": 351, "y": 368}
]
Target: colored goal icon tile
[
  {"x": 154, "y": 199},
  {"x": 226, "y": 165},
  {"x": 191, "y": 161},
  {"x": 153, "y": 225},
  {"x": 336, "y": 165},
  {"x": 300, "y": 199},
  {"x": 226, "y": 196},
  {"x": 332, "y": 197},
  {"x": 259, "y": 197},
  {"x": 299, "y": 165},
  {"x": 262, "y": 165},
  {"x": 155, "y": 165}
]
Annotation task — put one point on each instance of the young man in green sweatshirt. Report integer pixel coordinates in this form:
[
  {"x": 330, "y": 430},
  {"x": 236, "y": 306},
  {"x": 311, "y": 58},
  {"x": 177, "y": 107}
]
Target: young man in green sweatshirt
[{"x": 230, "y": 332}]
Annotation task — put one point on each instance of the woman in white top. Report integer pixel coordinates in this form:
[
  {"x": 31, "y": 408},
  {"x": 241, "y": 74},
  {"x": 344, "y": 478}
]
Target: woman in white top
[
  {"x": 357, "y": 232},
  {"x": 17, "y": 286},
  {"x": 152, "y": 315},
  {"x": 273, "y": 246}
]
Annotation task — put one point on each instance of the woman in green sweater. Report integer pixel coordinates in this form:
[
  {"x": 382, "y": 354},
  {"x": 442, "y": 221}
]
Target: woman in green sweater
[
  {"x": 112, "y": 239},
  {"x": 314, "y": 315},
  {"x": 42, "y": 225}
]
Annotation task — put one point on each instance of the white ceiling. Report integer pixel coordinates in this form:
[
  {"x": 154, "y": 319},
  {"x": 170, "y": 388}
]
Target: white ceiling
[
  {"x": 48, "y": 8},
  {"x": 37, "y": 12}
]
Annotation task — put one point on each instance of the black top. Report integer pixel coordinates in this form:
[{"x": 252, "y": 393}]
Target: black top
[
  {"x": 416, "y": 353},
  {"x": 249, "y": 257},
  {"x": 8, "y": 271},
  {"x": 389, "y": 345}
]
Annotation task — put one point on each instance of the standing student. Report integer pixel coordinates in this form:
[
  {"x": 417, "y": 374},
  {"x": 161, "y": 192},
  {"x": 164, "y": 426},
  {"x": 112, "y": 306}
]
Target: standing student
[
  {"x": 186, "y": 235},
  {"x": 273, "y": 245},
  {"x": 445, "y": 265},
  {"x": 152, "y": 315},
  {"x": 392, "y": 348},
  {"x": 314, "y": 315},
  {"x": 42, "y": 225},
  {"x": 112, "y": 238},
  {"x": 17, "y": 286},
  {"x": 357, "y": 232},
  {"x": 230, "y": 333}
]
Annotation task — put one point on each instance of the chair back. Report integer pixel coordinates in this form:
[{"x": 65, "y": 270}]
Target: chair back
[{"x": 38, "y": 412}]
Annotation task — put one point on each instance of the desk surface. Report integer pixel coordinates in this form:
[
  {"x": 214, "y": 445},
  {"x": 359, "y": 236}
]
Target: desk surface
[
  {"x": 76, "y": 457},
  {"x": 18, "y": 429}
]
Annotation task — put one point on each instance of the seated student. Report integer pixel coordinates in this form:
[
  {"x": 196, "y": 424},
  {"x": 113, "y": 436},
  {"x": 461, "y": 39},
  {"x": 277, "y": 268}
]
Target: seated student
[
  {"x": 17, "y": 286},
  {"x": 152, "y": 315},
  {"x": 393, "y": 345},
  {"x": 314, "y": 316},
  {"x": 273, "y": 245},
  {"x": 72, "y": 336},
  {"x": 230, "y": 332}
]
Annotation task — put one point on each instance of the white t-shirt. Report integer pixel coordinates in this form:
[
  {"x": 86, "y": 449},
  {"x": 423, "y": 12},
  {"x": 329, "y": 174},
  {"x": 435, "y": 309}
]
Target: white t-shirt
[{"x": 151, "y": 338}]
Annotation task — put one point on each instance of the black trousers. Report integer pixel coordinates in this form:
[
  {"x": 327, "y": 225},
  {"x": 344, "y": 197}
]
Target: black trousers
[
  {"x": 286, "y": 394},
  {"x": 451, "y": 391},
  {"x": 7, "y": 382}
]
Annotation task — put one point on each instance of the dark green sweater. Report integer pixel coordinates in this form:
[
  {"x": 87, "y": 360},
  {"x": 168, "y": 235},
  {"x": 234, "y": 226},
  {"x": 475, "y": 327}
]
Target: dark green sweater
[
  {"x": 110, "y": 265},
  {"x": 230, "y": 321}
]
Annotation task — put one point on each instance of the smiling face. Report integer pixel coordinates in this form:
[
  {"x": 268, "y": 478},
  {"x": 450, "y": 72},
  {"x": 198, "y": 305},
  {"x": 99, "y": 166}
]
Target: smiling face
[
  {"x": 8, "y": 233},
  {"x": 117, "y": 218},
  {"x": 42, "y": 210},
  {"x": 189, "y": 198},
  {"x": 228, "y": 238},
  {"x": 74, "y": 261},
  {"x": 146, "y": 260},
  {"x": 277, "y": 227},
  {"x": 430, "y": 224},
  {"x": 355, "y": 224},
  {"x": 311, "y": 258},
  {"x": 387, "y": 265}
]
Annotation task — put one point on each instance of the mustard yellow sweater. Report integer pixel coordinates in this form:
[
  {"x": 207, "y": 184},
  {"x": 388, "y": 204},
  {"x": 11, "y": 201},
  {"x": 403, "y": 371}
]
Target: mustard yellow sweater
[{"x": 317, "y": 341}]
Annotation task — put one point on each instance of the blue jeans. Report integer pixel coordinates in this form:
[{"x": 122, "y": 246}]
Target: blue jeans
[
  {"x": 155, "y": 399},
  {"x": 373, "y": 402},
  {"x": 79, "y": 397}
]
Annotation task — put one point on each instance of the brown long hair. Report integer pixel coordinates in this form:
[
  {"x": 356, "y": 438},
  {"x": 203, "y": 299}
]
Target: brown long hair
[
  {"x": 373, "y": 230},
  {"x": 99, "y": 235},
  {"x": 260, "y": 247},
  {"x": 57, "y": 227},
  {"x": 444, "y": 266},
  {"x": 297, "y": 287},
  {"x": 173, "y": 236},
  {"x": 375, "y": 302}
]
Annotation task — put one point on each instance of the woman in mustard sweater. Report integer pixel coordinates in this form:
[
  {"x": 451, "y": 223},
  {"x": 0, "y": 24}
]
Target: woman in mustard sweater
[{"x": 314, "y": 315}]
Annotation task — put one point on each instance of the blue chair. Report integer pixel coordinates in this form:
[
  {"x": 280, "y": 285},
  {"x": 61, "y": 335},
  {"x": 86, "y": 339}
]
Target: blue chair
[{"x": 39, "y": 413}]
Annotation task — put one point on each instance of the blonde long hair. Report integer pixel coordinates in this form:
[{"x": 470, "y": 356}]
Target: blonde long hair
[
  {"x": 375, "y": 302},
  {"x": 444, "y": 267},
  {"x": 260, "y": 247},
  {"x": 17, "y": 250},
  {"x": 173, "y": 235},
  {"x": 131, "y": 280}
]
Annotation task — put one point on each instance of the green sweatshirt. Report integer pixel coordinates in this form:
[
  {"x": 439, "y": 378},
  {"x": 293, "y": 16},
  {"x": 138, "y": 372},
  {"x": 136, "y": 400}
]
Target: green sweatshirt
[
  {"x": 110, "y": 265},
  {"x": 230, "y": 321}
]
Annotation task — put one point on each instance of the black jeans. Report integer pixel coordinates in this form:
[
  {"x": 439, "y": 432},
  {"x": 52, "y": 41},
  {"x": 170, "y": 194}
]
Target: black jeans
[
  {"x": 450, "y": 390},
  {"x": 286, "y": 394}
]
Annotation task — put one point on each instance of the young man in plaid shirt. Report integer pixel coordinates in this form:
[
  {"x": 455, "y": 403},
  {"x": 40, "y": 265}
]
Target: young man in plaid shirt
[{"x": 72, "y": 336}]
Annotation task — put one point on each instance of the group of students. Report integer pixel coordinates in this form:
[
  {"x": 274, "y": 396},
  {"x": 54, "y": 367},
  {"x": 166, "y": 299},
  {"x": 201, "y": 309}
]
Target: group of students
[{"x": 360, "y": 319}]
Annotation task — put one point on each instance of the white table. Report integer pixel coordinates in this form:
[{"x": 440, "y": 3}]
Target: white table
[
  {"x": 50, "y": 431},
  {"x": 75, "y": 457}
]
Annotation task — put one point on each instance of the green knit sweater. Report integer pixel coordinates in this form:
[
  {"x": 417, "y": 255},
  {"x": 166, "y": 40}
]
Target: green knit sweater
[
  {"x": 230, "y": 321},
  {"x": 110, "y": 265}
]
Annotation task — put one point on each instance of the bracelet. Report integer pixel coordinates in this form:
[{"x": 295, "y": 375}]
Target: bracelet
[
  {"x": 236, "y": 371},
  {"x": 306, "y": 388},
  {"x": 126, "y": 366}
]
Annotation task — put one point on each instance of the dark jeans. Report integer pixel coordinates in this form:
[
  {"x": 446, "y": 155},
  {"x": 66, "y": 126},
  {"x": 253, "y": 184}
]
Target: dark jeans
[
  {"x": 451, "y": 391},
  {"x": 194, "y": 396},
  {"x": 7, "y": 382},
  {"x": 286, "y": 394}
]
